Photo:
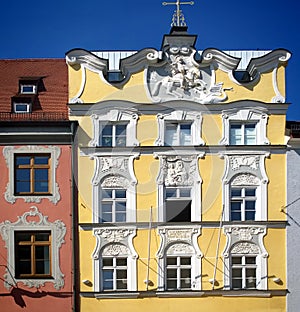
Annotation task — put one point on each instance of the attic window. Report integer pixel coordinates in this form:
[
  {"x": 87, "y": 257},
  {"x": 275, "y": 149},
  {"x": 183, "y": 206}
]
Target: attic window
[
  {"x": 22, "y": 107},
  {"x": 28, "y": 88}
]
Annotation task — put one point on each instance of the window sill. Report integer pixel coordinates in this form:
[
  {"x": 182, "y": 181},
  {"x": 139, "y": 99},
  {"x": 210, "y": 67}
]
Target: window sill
[{"x": 114, "y": 295}]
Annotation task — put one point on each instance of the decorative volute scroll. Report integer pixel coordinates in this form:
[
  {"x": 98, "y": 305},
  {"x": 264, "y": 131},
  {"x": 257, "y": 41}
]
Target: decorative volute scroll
[
  {"x": 245, "y": 239},
  {"x": 179, "y": 170},
  {"x": 112, "y": 241},
  {"x": 179, "y": 240},
  {"x": 26, "y": 223}
]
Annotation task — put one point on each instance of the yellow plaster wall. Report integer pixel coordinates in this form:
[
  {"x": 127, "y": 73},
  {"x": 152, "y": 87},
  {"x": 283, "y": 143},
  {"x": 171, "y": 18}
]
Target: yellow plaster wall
[
  {"x": 275, "y": 168},
  {"x": 211, "y": 171},
  {"x": 146, "y": 171},
  {"x": 226, "y": 304},
  {"x": 147, "y": 130},
  {"x": 212, "y": 129},
  {"x": 262, "y": 91},
  {"x": 276, "y": 129}
]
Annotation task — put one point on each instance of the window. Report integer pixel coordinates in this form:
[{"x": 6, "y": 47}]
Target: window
[
  {"x": 242, "y": 203},
  {"x": 22, "y": 107},
  {"x": 178, "y": 204},
  {"x": 28, "y": 88},
  {"x": 115, "y": 259},
  {"x": 178, "y": 273},
  {"x": 114, "y": 273},
  {"x": 113, "y": 134},
  {"x": 178, "y": 134},
  {"x": 32, "y": 174},
  {"x": 113, "y": 205},
  {"x": 33, "y": 251},
  {"x": 243, "y": 272},
  {"x": 179, "y": 128},
  {"x": 245, "y": 126},
  {"x": 243, "y": 134},
  {"x": 179, "y": 258},
  {"x": 115, "y": 128}
]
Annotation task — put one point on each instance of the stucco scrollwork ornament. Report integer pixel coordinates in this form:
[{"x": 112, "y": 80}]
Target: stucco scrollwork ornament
[
  {"x": 180, "y": 76},
  {"x": 178, "y": 170},
  {"x": 252, "y": 162},
  {"x": 114, "y": 241},
  {"x": 245, "y": 239},
  {"x": 179, "y": 239},
  {"x": 34, "y": 220}
]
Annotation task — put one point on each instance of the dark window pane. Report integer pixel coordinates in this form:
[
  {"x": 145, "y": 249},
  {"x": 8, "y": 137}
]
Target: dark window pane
[
  {"x": 120, "y": 217},
  {"x": 171, "y": 261},
  {"x": 41, "y": 174},
  {"x": 22, "y": 187},
  {"x": 236, "y": 206},
  {"x": 107, "y": 262},
  {"x": 122, "y": 284},
  {"x": 185, "y": 192},
  {"x": 106, "y": 193},
  {"x": 236, "y": 192},
  {"x": 250, "y": 192},
  {"x": 236, "y": 260},
  {"x": 185, "y": 261},
  {"x": 121, "y": 274},
  {"x": 171, "y": 273},
  {"x": 23, "y": 174},
  {"x": 250, "y": 260},
  {"x": 42, "y": 267},
  {"x": 23, "y": 160},
  {"x": 107, "y": 130},
  {"x": 41, "y": 187},
  {"x": 41, "y": 160},
  {"x": 170, "y": 192},
  {"x": 42, "y": 237},
  {"x": 172, "y": 284},
  {"x": 121, "y": 261},
  {"x": 250, "y": 215},
  {"x": 120, "y": 193}
]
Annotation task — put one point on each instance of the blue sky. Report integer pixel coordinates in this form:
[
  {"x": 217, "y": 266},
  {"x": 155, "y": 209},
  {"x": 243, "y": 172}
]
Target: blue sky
[{"x": 38, "y": 29}]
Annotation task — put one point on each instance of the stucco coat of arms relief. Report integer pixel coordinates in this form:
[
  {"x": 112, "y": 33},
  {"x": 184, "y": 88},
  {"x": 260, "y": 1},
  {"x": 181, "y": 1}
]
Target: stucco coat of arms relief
[{"x": 180, "y": 76}]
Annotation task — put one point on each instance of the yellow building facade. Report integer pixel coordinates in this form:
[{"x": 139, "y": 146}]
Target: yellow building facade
[{"x": 181, "y": 178}]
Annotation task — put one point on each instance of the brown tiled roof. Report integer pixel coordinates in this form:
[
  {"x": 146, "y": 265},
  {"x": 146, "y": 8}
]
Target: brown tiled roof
[{"x": 55, "y": 79}]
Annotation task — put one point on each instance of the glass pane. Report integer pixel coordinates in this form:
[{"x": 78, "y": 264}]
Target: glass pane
[
  {"x": 236, "y": 260},
  {"x": 106, "y": 193},
  {"x": 107, "y": 130},
  {"x": 24, "y": 267},
  {"x": 236, "y": 283},
  {"x": 41, "y": 160},
  {"x": 185, "y": 134},
  {"x": 107, "y": 207},
  {"x": 42, "y": 252},
  {"x": 236, "y": 192},
  {"x": 42, "y": 267},
  {"x": 107, "y": 262},
  {"x": 23, "y": 174},
  {"x": 41, "y": 187},
  {"x": 120, "y": 193},
  {"x": 121, "y": 130},
  {"x": 185, "y": 261},
  {"x": 121, "y": 261},
  {"x": 172, "y": 284},
  {"x": 42, "y": 237},
  {"x": 107, "y": 135},
  {"x": 250, "y": 134},
  {"x": 21, "y": 108},
  {"x": 23, "y": 160},
  {"x": 250, "y": 278},
  {"x": 120, "y": 217},
  {"x": 107, "y": 279},
  {"x": 250, "y": 192},
  {"x": 250, "y": 215},
  {"x": 122, "y": 284},
  {"x": 250, "y": 260},
  {"x": 23, "y": 237},
  {"x": 121, "y": 274},
  {"x": 121, "y": 140},
  {"x": 170, "y": 192},
  {"x": 22, "y": 187},
  {"x": 106, "y": 141},
  {"x": 120, "y": 206},
  {"x": 171, "y": 273},
  {"x": 24, "y": 252},
  {"x": 171, "y": 134},
  {"x": 237, "y": 273},
  {"x": 235, "y": 135},
  {"x": 185, "y": 192},
  {"x": 41, "y": 174},
  {"x": 171, "y": 261},
  {"x": 185, "y": 283}
]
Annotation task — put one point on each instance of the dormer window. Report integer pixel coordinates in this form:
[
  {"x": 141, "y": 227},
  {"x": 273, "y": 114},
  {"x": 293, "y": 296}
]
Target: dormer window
[
  {"x": 22, "y": 107},
  {"x": 28, "y": 88}
]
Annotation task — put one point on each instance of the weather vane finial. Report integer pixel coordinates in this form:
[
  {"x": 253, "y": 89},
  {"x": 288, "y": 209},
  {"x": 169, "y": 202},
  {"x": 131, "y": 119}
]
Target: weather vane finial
[{"x": 178, "y": 18}]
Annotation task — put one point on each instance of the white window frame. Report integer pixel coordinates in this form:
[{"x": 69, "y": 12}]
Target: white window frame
[
  {"x": 109, "y": 242},
  {"x": 9, "y": 153},
  {"x": 58, "y": 231},
  {"x": 178, "y": 131},
  {"x": 243, "y": 198},
  {"x": 26, "y": 85},
  {"x": 246, "y": 240},
  {"x": 178, "y": 266},
  {"x": 113, "y": 200},
  {"x": 115, "y": 268},
  {"x": 243, "y": 266},
  {"x": 179, "y": 116},
  {"x": 243, "y": 132},
  {"x": 115, "y": 116},
  {"x": 114, "y": 137},
  {"x": 191, "y": 179},
  {"x": 114, "y": 172},
  {"x": 179, "y": 242},
  {"x": 256, "y": 115},
  {"x": 246, "y": 169},
  {"x": 28, "y": 108}
]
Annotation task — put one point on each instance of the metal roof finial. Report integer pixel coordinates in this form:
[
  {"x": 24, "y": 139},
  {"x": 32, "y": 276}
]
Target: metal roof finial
[{"x": 178, "y": 18}]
